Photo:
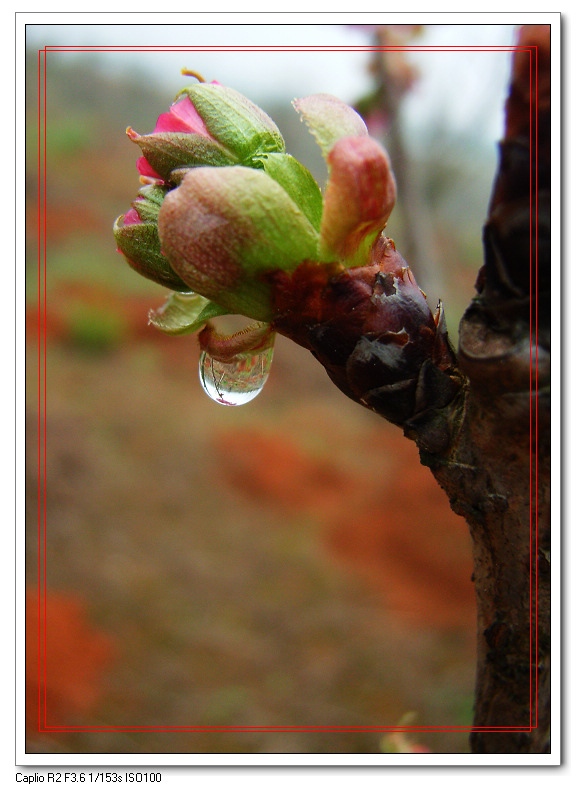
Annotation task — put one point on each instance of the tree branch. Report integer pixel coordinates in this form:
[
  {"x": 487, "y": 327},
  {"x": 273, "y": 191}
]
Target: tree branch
[{"x": 505, "y": 352}]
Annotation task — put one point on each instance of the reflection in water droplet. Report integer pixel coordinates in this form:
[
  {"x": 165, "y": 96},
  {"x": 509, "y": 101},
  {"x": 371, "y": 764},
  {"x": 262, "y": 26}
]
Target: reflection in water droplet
[{"x": 236, "y": 382}]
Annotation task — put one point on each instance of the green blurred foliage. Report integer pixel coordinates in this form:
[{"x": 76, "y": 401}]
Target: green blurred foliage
[{"x": 95, "y": 329}]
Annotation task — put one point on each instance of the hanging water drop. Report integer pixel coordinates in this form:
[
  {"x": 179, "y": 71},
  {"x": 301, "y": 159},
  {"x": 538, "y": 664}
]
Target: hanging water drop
[{"x": 237, "y": 381}]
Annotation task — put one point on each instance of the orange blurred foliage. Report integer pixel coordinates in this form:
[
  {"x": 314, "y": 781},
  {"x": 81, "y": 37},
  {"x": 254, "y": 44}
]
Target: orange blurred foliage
[
  {"x": 397, "y": 532},
  {"x": 72, "y": 660}
]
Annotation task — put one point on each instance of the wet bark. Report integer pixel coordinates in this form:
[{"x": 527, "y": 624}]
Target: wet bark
[{"x": 481, "y": 416}]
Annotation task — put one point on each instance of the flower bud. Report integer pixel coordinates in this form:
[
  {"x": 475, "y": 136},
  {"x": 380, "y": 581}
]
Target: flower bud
[
  {"x": 209, "y": 126},
  {"x": 243, "y": 226},
  {"x": 237, "y": 123},
  {"x": 136, "y": 235},
  {"x": 361, "y": 190},
  {"x": 223, "y": 228}
]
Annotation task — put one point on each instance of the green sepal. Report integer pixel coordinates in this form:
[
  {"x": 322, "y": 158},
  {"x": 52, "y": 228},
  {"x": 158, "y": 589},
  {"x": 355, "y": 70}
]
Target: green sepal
[
  {"x": 168, "y": 151},
  {"x": 140, "y": 244},
  {"x": 298, "y": 182},
  {"x": 238, "y": 124},
  {"x": 184, "y": 313},
  {"x": 251, "y": 298},
  {"x": 224, "y": 229},
  {"x": 329, "y": 119},
  {"x": 149, "y": 201}
]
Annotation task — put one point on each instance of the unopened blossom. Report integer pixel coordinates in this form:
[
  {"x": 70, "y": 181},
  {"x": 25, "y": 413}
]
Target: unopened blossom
[{"x": 242, "y": 227}]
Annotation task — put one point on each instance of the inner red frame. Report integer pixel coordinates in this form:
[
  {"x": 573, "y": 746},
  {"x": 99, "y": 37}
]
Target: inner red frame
[{"x": 43, "y": 727}]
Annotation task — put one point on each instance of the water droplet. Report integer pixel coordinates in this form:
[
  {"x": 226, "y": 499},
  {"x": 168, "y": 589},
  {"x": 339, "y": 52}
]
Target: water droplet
[{"x": 238, "y": 381}]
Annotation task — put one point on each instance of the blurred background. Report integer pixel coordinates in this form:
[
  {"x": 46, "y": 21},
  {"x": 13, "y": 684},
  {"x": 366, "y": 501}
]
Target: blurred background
[{"x": 283, "y": 564}]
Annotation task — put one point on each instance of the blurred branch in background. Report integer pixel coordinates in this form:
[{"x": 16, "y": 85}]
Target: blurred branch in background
[{"x": 394, "y": 76}]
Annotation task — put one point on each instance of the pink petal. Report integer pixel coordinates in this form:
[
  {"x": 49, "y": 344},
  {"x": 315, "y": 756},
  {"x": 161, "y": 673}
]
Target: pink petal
[
  {"x": 145, "y": 169},
  {"x": 131, "y": 218},
  {"x": 182, "y": 117}
]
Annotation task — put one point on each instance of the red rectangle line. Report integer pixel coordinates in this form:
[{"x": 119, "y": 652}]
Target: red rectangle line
[{"x": 42, "y": 328}]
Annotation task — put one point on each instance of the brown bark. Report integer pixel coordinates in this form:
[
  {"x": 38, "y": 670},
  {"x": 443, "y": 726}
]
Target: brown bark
[
  {"x": 481, "y": 418},
  {"x": 505, "y": 352}
]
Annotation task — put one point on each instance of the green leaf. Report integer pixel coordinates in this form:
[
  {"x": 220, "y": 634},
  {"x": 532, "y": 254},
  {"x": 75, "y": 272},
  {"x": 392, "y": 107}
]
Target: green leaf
[
  {"x": 298, "y": 182},
  {"x": 183, "y": 313}
]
